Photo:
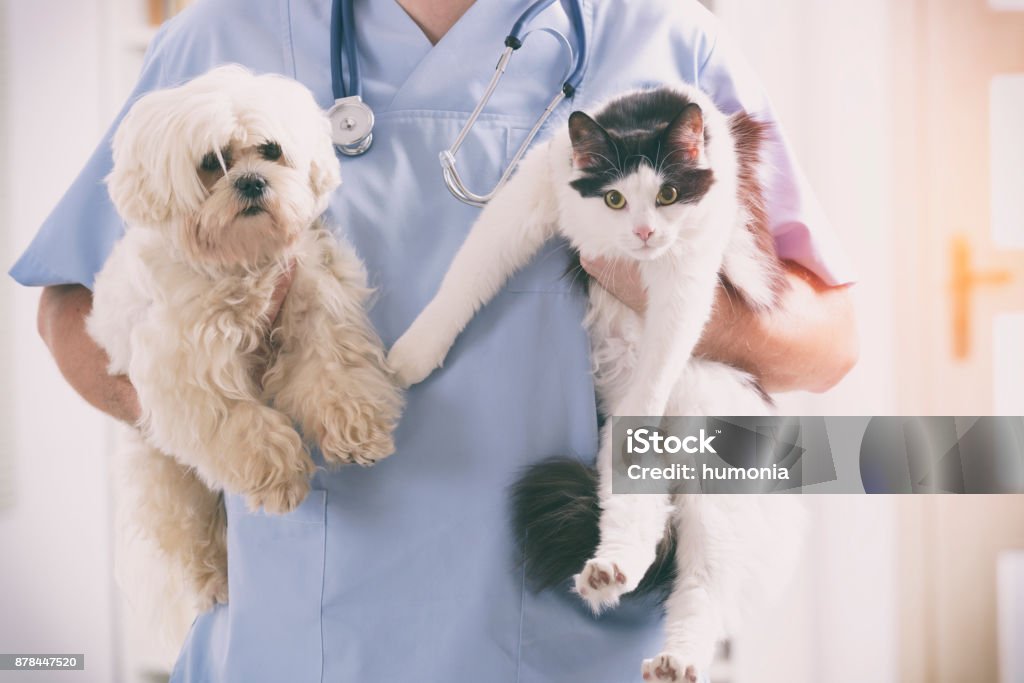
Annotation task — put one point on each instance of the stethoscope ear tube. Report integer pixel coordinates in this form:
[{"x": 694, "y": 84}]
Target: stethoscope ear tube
[
  {"x": 517, "y": 35},
  {"x": 572, "y": 78},
  {"x": 352, "y": 119},
  {"x": 572, "y": 83}
]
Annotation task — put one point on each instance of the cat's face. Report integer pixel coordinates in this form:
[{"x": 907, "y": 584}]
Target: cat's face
[{"x": 636, "y": 188}]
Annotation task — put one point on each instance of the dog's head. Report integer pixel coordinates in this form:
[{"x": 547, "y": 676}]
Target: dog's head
[{"x": 232, "y": 165}]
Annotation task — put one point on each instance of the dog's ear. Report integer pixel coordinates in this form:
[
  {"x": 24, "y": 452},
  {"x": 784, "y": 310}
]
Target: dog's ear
[
  {"x": 144, "y": 183},
  {"x": 128, "y": 182}
]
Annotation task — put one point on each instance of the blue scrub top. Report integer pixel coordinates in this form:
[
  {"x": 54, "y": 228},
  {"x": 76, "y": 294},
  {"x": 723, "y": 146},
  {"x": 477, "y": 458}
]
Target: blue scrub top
[{"x": 407, "y": 570}]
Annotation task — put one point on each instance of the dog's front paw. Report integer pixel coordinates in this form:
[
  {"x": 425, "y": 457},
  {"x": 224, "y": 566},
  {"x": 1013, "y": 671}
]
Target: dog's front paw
[
  {"x": 601, "y": 584},
  {"x": 210, "y": 588},
  {"x": 666, "y": 667},
  {"x": 359, "y": 437},
  {"x": 280, "y": 496},
  {"x": 413, "y": 358},
  {"x": 279, "y": 479}
]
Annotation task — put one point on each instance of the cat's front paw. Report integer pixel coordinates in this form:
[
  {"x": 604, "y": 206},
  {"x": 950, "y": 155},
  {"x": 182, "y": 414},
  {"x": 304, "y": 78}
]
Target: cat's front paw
[
  {"x": 412, "y": 359},
  {"x": 601, "y": 584},
  {"x": 666, "y": 667}
]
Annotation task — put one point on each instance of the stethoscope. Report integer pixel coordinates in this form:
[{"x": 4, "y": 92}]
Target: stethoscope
[{"x": 352, "y": 119}]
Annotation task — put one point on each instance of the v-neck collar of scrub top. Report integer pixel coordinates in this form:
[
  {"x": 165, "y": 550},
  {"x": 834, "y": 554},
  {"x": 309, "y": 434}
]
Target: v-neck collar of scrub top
[{"x": 402, "y": 71}]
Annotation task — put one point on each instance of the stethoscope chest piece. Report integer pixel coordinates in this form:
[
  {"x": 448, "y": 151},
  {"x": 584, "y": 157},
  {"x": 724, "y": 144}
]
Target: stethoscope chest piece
[{"x": 351, "y": 125}]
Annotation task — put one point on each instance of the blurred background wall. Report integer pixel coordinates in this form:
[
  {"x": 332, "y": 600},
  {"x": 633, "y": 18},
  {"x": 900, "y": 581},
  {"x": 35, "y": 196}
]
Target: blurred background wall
[
  {"x": 882, "y": 594},
  {"x": 56, "y": 584}
]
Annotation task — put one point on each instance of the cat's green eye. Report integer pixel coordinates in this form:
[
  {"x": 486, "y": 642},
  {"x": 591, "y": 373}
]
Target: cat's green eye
[
  {"x": 667, "y": 195},
  {"x": 614, "y": 199}
]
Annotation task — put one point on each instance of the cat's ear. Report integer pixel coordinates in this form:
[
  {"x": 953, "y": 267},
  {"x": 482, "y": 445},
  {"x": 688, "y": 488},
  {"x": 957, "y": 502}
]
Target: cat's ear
[
  {"x": 686, "y": 134},
  {"x": 590, "y": 143}
]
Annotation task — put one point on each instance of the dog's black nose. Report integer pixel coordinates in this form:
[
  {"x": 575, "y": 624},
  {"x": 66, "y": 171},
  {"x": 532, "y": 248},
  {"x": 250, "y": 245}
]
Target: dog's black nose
[{"x": 250, "y": 185}]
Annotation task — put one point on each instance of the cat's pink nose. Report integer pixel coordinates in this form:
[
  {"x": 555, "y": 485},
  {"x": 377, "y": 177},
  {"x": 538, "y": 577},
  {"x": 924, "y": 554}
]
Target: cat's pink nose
[{"x": 643, "y": 232}]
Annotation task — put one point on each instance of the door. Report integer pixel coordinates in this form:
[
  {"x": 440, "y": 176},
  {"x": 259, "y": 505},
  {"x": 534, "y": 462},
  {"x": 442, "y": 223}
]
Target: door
[{"x": 959, "y": 92}]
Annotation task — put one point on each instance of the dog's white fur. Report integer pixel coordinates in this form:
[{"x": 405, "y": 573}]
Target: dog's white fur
[
  {"x": 182, "y": 307},
  {"x": 731, "y": 548}
]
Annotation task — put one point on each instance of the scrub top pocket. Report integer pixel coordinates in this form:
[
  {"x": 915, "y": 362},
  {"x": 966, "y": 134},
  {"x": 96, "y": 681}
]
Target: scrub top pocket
[{"x": 275, "y": 584}]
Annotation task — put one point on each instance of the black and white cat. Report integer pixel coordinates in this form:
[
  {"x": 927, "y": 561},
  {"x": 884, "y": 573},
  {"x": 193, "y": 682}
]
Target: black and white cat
[{"x": 663, "y": 178}]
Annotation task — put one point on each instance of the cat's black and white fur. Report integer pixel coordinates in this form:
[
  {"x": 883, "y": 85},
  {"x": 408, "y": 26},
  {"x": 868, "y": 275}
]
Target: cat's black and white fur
[{"x": 663, "y": 178}]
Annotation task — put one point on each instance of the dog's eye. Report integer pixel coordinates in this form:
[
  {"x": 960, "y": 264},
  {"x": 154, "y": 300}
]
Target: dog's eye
[
  {"x": 271, "y": 151},
  {"x": 210, "y": 163}
]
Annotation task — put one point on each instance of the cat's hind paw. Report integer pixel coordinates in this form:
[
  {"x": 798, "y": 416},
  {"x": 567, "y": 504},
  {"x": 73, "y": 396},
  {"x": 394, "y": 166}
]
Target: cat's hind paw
[
  {"x": 601, "y": 584},
  {"x": 668, "y": 669}
]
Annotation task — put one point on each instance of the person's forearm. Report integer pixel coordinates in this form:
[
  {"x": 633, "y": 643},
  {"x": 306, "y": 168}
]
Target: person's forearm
[
  {"x": 809, "y": 342},
  {"x": 62, "y": 314}
]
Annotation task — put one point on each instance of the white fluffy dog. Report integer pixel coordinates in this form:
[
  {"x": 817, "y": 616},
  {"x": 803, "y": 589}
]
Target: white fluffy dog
[{"x": 221, "y": 182}]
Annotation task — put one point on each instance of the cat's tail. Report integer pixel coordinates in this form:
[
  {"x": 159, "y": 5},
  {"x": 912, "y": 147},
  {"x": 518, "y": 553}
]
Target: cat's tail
[{"x": 555, "y": 513}]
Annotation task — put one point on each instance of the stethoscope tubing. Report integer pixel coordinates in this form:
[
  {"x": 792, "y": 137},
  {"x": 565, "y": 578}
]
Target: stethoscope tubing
[
  {"x": 343, "y": 38},
  {"x": 348, "y": 97},
  {"x": 343, "y": 41},
  {"x": 517, "y": 34}
]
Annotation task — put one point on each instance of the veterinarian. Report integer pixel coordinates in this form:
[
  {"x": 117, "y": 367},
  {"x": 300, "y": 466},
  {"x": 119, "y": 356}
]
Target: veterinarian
[{"x": 406, "y": 571}]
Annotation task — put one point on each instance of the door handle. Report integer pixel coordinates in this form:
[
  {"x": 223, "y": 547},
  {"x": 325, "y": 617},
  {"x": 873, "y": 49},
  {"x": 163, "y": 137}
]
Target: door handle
[{"x": 965, "y": 278}]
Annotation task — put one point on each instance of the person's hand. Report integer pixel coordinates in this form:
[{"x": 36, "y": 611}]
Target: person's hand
[
  {"x": 63, "y": 310},
  {"x": 621, "y": 278},
  {"x": 807, "y": 342}
]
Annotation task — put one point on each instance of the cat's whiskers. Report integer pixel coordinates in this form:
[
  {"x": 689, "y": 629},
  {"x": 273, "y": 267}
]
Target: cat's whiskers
[
  {"x": 672, "y": 166},
  {"x": 731, "y": 297},
  {"x": 641, "y": 157},
  {"x": 577, "y": 272},
  {"x": 612, "y": 271},
  {"x": 559, "y": 246}
]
